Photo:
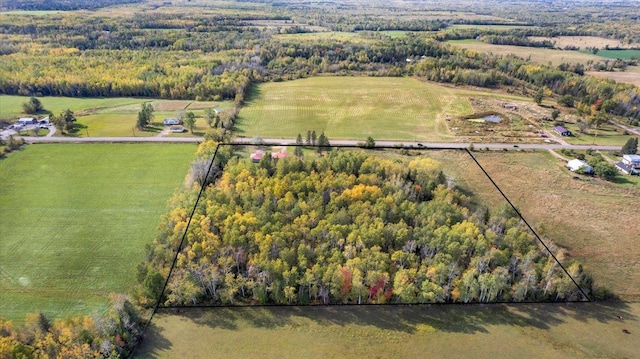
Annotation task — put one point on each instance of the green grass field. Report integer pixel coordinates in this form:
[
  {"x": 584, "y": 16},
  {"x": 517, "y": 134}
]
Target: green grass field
[
  {"x": 494, "y": 331},
  {"x": 353, "y": 108},
  {"x": 537, "y": 55},
  {"x": 75, "y": 219},
  {"x": 617, "y": 54}
]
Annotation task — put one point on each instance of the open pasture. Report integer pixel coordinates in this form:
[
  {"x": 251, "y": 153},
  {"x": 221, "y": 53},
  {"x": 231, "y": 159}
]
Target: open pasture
[
  {"x": 586, "y": 330},
  {"x": 75, "y": 219},
  {"x": 537, "y": 55},
  {"x": 352, "y": 108},
  {"x": 581, "y": 41}
]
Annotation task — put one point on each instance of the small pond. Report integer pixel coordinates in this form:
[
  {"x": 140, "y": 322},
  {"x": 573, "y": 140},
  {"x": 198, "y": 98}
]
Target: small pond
[{"x": 492, "y": 118}]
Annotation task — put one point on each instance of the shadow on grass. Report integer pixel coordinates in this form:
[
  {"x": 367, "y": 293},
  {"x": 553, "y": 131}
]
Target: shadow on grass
[
  {"x": 468, "y": 319},
  {"x": 155, "y": 342}
]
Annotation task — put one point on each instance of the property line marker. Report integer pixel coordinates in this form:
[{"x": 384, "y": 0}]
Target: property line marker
[{"x": 530, "y": 228}]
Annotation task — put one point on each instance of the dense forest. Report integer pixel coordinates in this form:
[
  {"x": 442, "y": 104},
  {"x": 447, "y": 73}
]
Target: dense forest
[{"x": 347, "y": 227}]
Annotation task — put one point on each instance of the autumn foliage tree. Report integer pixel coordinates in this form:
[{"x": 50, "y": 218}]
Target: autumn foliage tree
[{"x": 347, "y": 228}]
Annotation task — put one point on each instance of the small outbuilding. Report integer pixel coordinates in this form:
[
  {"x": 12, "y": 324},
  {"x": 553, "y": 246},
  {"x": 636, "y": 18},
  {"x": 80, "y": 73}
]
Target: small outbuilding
[
  {"x": 578, "y": 165},
  {"x": 177, "y": 129},
  {"x": 631, "y": 160},
  {"x": 561, "y": 131},
  {"x": 257, "y": 156},
  {"x": 511, "y": 106}
]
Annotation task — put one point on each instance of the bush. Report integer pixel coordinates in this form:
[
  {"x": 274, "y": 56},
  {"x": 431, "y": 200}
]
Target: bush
[{"x": 605, "y": 170}]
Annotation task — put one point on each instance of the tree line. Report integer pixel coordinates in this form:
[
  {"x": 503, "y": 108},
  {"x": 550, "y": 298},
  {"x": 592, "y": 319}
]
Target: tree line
[{"x": 113, "y": 335}]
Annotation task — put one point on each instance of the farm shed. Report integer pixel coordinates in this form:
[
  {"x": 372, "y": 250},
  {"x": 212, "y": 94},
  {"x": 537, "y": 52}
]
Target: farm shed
[
  {"x": 177, "y": 129},
  {"x": 579, "y": 165},
  {"x": 562, "y": 131},
  {"x": 171, "y": 121}
]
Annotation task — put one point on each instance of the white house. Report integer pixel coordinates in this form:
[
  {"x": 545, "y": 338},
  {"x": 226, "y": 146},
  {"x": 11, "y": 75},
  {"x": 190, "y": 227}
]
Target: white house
[
  {"x": 626, "y": 169},
  {"x": 631, "y": 160},
  {"x": 579, "y": 165},
  {"x": 27, "y": 121}
]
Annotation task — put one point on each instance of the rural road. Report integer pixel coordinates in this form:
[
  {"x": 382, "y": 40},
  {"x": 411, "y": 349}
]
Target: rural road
[{"x": 282, "y": 141}]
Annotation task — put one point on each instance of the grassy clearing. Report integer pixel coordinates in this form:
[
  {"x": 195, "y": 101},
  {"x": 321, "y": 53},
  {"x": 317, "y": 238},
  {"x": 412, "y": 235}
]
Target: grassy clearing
[
  {"x": 619, "y": 54},
  {"x": 75, "y": 219},
  {"x": 537, "y": 55},
  {"x": 352, "y": 108},
  {"x": 594, "y": 219},
  {"x": 631, "y": 76},
  {"x": 496, "y": 331},
  {"x": 581, "y": 41},
  {"x": 351, "y": 37}
]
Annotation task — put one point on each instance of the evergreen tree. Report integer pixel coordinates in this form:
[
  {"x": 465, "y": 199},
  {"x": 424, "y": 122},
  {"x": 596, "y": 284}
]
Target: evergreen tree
[
  {"x": 190, "y": 121},
  {"x": 145, "y": 116},
  {"x": 298, "y": 150},
  {"x": 631, "y": 146}
]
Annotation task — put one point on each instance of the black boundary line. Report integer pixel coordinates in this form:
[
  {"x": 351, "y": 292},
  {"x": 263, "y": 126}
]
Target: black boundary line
[
  {"x": 175, "y": 258},
  {"x": 422, "y": 148},
  {"x": 588, "y": 299}
]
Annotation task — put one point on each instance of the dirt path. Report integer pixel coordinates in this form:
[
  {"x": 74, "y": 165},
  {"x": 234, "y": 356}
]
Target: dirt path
[
  {"x": 558, "y": 156},
  {"x": 164, "y": 132},
  {"x": 629, "y": 129}
]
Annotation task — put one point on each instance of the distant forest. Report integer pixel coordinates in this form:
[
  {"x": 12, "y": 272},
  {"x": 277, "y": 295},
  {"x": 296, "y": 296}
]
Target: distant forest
[{"x": 63, "y": 5}]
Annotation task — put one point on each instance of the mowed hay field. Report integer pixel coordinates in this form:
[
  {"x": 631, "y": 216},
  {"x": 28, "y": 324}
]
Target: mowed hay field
[
  {"x": 594, "y": 219},
  {"x": 537, "y": 55},
  {"x": 587, "y": 330},
  {"x": 74, "y": 220},
  {"x": 352, "y": 108},
  {"x": 582, "y": 41}
]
